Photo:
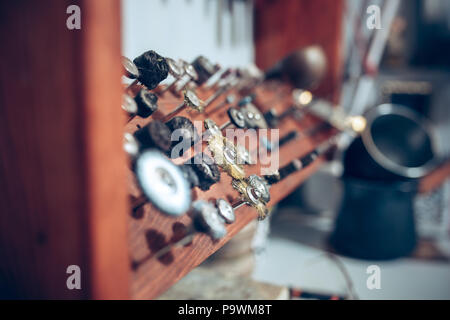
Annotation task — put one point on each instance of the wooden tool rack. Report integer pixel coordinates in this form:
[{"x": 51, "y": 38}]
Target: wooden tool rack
[{"x": 64, "y": 178}]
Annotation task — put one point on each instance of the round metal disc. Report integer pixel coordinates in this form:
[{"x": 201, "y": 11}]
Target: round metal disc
[
  {"x": 229, "y": 154},
  {"x": 163, "y": 183},
  {"x": 243, "y": 155},
  {"x": 205, "y": 69},
  {"x": 253, "y": 194},
  {"x": 212, "y": 127},
  {"x": 226, "y": 211},
  {"x": 207, "y": 171},
  {"x": 254, "y": 117},
  {"x": 155, "y": 134},
  {"x": 174, "y": 68},
  {"x": 129, "y": 68},
  {"x": 147, "y": 103},
  {"x": 184, "y": 134},
  {"x": 231, "y": 159},
  {"x": 191, "y": 99},
  {"x": 130, "y": 144},
  {"x": 128, "y": 104},
  {"x": 237, "y": 117},
  {"x": 190, "y": 71},
  {"x": 259, "y": 184},
  {"x": 207, "y": 220},
  {"x": 236, "y": 154}
]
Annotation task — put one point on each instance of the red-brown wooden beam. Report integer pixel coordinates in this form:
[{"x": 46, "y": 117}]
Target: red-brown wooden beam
[
  {"x": 62, "y": 183},
  {"x": 285, "y": 26}
]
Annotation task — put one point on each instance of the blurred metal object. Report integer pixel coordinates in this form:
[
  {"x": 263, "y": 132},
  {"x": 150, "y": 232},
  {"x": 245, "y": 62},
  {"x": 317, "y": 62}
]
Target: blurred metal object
[
  {"x": 191, "y": 100},
  {"x": 252, "y": 196},
  {"x": 130, "y": 145},
  {"x": 162, "y": 183},
  {"x": 255, "y": 193},
  {"x": 152, "y": 67},
  {"x": 382, "y": 171},
  {"x": 190, "y": 74},
  {"x": 225, "y": 153},
  {"x": 215, "y": 137},
  {"x": 207, "y": 220},
  {"x": 250, "y": 76},
  {"x": 176, "y": 70},
  {"x": 183, "y": 135},
  {"x": 396, "y": 144},
  {"x": 290, "y": 136},
  {"x": 128, "y": 104},
  {"x": 261, "y": 185},
  {"x": 219, "y": 92},
  {"x": 226, "y": 211},
  {"x": 299, "y": 164},
  {"x": 301, "y": 99},
  {"x": 237, "y": 119},
  {"x": 155, "y": 134},
  {"x": 253, "y": 117},
  {"x": 376, "y": 219},
  {"x": 336, "y": 117},
  {"x": 129, "y": 68},
  {"x": 303, "y": 68},
  {"x": 147, "y": 104},
  {"x": 190, "y": 175},
  {"x": 229, "y": 99},
  {"x": 224, "y": 75},
  {"x": 207, "y": 171},
  {"x": 205, "y": 69}
]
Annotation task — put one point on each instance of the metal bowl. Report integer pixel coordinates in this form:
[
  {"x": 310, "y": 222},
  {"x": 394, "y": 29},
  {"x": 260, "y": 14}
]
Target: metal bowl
[{"x": 396, "y": 144}]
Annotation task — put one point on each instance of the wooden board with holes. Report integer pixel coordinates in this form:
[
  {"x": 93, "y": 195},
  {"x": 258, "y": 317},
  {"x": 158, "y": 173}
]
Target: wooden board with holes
[{"x": 150, "y": 230}]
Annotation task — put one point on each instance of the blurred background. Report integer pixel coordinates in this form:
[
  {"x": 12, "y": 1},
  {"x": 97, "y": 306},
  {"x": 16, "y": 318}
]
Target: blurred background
[{"x": 404, "y": 62}]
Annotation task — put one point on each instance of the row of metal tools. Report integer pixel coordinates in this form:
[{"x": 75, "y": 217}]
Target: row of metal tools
[{"x": 167, "y": 185}]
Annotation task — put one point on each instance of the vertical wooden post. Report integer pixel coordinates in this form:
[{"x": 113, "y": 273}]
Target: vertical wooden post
[
  {"x": 62, "y": 179},
  {"x": 284, "y": 26}
]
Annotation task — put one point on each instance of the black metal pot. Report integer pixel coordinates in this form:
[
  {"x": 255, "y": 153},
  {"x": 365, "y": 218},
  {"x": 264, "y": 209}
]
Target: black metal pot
[
  {"x": 376, "y": 220},
  {"x": 381, "y": 171}
]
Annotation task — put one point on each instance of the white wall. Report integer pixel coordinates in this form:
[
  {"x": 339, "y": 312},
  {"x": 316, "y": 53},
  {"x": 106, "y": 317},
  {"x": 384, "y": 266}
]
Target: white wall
[{"x": 187, "y": 28}]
